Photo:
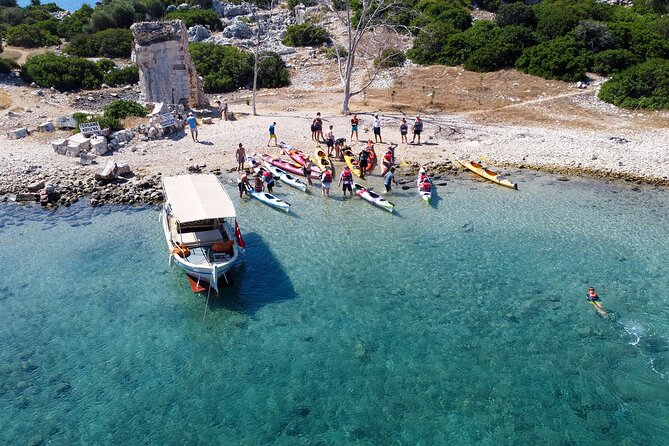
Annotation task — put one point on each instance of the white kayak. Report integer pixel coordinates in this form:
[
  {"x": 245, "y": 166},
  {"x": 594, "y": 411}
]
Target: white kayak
[
  {"x": 425, "y": 195},
  {"x": 286, "y": 177},
  {"x": 373, "y": 197},
  {"x": 269, "y": 199}
]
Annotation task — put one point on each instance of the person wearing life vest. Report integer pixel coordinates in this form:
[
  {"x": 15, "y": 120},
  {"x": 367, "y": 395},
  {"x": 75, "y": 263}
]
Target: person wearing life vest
[
  {"x": 425, "y": 185},
  {"x": 326, "y": 181},
  {"x": 258, "y": 185},
  {"x": 346, "y": 180},
  {"x": 593, "y": 298},
  {"x": 417, "y": 129},
  {"x": 387, "y": 162},
  {"x": 268, "y": 178}
]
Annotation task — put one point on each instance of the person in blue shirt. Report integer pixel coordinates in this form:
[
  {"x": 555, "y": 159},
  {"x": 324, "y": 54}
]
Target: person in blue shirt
[
  {"x": 192, "y": 124},
  {"x": 272, "y": 134}
]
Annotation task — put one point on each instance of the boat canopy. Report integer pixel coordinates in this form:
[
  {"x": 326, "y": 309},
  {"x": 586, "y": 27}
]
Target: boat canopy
[{"x": 197, "y": 197}]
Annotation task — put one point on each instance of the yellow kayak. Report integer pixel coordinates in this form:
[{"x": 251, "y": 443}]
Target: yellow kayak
[
  {"x": 321, "y": 159},
  {"x": 350, "y": 160},
  {"x": 488, "y": 174}
]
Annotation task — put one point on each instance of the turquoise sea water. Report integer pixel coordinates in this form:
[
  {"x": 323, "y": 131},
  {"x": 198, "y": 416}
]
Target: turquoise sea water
[{"x": 460, "y": 323}]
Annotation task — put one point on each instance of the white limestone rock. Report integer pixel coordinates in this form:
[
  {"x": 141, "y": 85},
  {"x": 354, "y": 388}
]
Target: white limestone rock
[{"x": 18, "y": 133}]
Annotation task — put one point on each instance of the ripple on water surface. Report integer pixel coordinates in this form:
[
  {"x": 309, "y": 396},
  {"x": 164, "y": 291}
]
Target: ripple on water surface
[{"x": 462, "y": 323}]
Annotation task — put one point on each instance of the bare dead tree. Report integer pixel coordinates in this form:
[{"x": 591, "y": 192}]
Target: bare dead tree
[
  {"x": 368, "y": 25},
  {"x": 263, "y": 23}
]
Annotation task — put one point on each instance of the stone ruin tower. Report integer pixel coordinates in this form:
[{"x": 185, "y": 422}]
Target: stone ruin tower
[{"x": 166, "y": 73}]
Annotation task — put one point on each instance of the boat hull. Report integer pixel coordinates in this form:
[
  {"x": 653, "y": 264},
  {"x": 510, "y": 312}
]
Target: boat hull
[
  {"x": 373, "y": 198},
  {"x": 290, "y": 167}
]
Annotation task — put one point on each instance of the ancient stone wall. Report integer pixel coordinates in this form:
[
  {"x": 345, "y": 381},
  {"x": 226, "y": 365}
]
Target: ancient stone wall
[{"x": 166, "y": 73}]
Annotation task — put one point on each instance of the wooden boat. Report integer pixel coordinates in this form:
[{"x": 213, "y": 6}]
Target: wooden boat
[
  {"x": 372, "y": 197},
  {"x": 285, "y": 177},
  {"x": 322, "y": 161},
  {"x": 294, "y": 153},
  {"x": 269, "y": 199},
  {"x": 351, "y": 161},
  {"x": 425, "y": 195},
  {"x": 488, "y": 174},
  {"x": 290, "y": 167},
  {"x": 197, "y": 221}
]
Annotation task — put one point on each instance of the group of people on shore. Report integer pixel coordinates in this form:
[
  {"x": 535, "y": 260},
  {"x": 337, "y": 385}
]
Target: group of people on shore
[{"x": 331, "y": 142}]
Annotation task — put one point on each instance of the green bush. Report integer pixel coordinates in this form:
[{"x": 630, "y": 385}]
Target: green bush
[
  {"x": 555, "y": 19},
  {"x": 30, "y": 36},
  {"x": 390, "y": 57},
  {"x": 224, "y": 68},
  {"x": 447, "y": 12},
  {"x": 272, "y": 72},
  {"x": 595, "y": 35},
  {"x": 305, "y": 34},
  {"x": 73, "y": 25},
  {"x": 330, "y": 52},
  {"x": 612, "y": 61},
  {"x": 106, "y": 65},
  {"x": 192, "y": 17},
  {"x": 505, "y": 46},
  {"x": 61, "y": 72},
  {"x": 642, "y": 86},
  {"x": 122, "y": 108},
  {"x": 105, "y": 121},
  {"x": 488, "y": 5},
  {"x": 563, "y": 58},
  {"x": 123, "y": 76},
  {"x": 516, "y": 14},
  {"x": 108, "y": 43},
  {"x": 7, "y": 65},
  {"x": 428, "y": 44},
  {"x": 460, "y": 46}
]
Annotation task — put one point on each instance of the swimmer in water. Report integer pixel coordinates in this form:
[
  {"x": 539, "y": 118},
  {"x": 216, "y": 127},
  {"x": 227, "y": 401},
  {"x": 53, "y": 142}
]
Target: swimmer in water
[{"x": 593, "y": 298}]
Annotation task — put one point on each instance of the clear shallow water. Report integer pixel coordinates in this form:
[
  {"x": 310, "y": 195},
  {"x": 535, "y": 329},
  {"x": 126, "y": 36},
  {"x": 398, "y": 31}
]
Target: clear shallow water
[{"x": 460, "y": 323}]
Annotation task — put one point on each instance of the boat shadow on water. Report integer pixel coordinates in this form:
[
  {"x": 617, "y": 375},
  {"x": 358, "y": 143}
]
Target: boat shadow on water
[{"x": 258, "y": 279}]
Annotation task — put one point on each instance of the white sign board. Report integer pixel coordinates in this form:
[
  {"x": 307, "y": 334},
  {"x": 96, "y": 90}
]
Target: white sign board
[
  {"x": 167, "y": 120},
  {"x": 90, "y": 128}
]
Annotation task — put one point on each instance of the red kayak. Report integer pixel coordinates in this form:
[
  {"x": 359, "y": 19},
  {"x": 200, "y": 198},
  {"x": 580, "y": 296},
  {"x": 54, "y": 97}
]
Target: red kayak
[
  {"x": 290, "y": 167},
  {"x": 294, "y": 153}
]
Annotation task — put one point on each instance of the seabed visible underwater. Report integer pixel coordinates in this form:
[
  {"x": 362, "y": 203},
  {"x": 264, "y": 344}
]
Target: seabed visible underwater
[{"x": 463, "y": 322}]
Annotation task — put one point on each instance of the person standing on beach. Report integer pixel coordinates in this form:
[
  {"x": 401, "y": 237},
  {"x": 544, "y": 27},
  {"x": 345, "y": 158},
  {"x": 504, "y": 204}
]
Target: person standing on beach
[
  {"x": 224, "y": 109},
  {"x": 330, "y": 140},
  {"x": 317, "y": 128},
  {"x": 404, "y": 128},
  {"x": 346, "y": 180},
  {"x": 389, "y": 178},
  {"x": 417, "y": 128},
  {"x": 326, "y": 181},
  {"x": 354, "y": 127},
  {"x": 272, "y": 134},
  {"x": 377, "y": 129},
  {"x": 192, "y": 125},
  {"x": 240, "y": 154}
]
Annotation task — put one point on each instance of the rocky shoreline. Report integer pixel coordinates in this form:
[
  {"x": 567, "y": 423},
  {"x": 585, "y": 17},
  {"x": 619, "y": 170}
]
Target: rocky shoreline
[{"x": 135, "y": 189}]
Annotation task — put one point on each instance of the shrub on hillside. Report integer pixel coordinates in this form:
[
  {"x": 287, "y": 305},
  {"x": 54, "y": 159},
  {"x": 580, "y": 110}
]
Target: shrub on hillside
[
  {"x": 61, "y": 72},
  {"x": 122, "y": 76},
  {"x": 305, "y": 34},
  {"x": 29, "y": 36},
  {"x": 105, "y": 121},
  {"x": 506, "y": 45},
  {"x": 192, "y": 17},
  {"x": 7, "y": 65},
  {"x": 460, "y": 46},
  {"x": 428, "y": 44},
  {"x": 122, "y": 108},
  {"x": 272, "y": 72},
  {"x": 446, "y": 12},
  {"x": 224, "y": 68},
  {"x": 330, "y": 52},
  {"x": 73, "y": 25},
  {"x": 563, "y": 58},
  {"x": 390, "y": 57},
  {"x": 612, "y": 61},
  {"x": 108, "y": 43},
  {"x": 642, "y": 86},
  {"x": 105, "y": 65},
  {"x": 516, "y": 14}
]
